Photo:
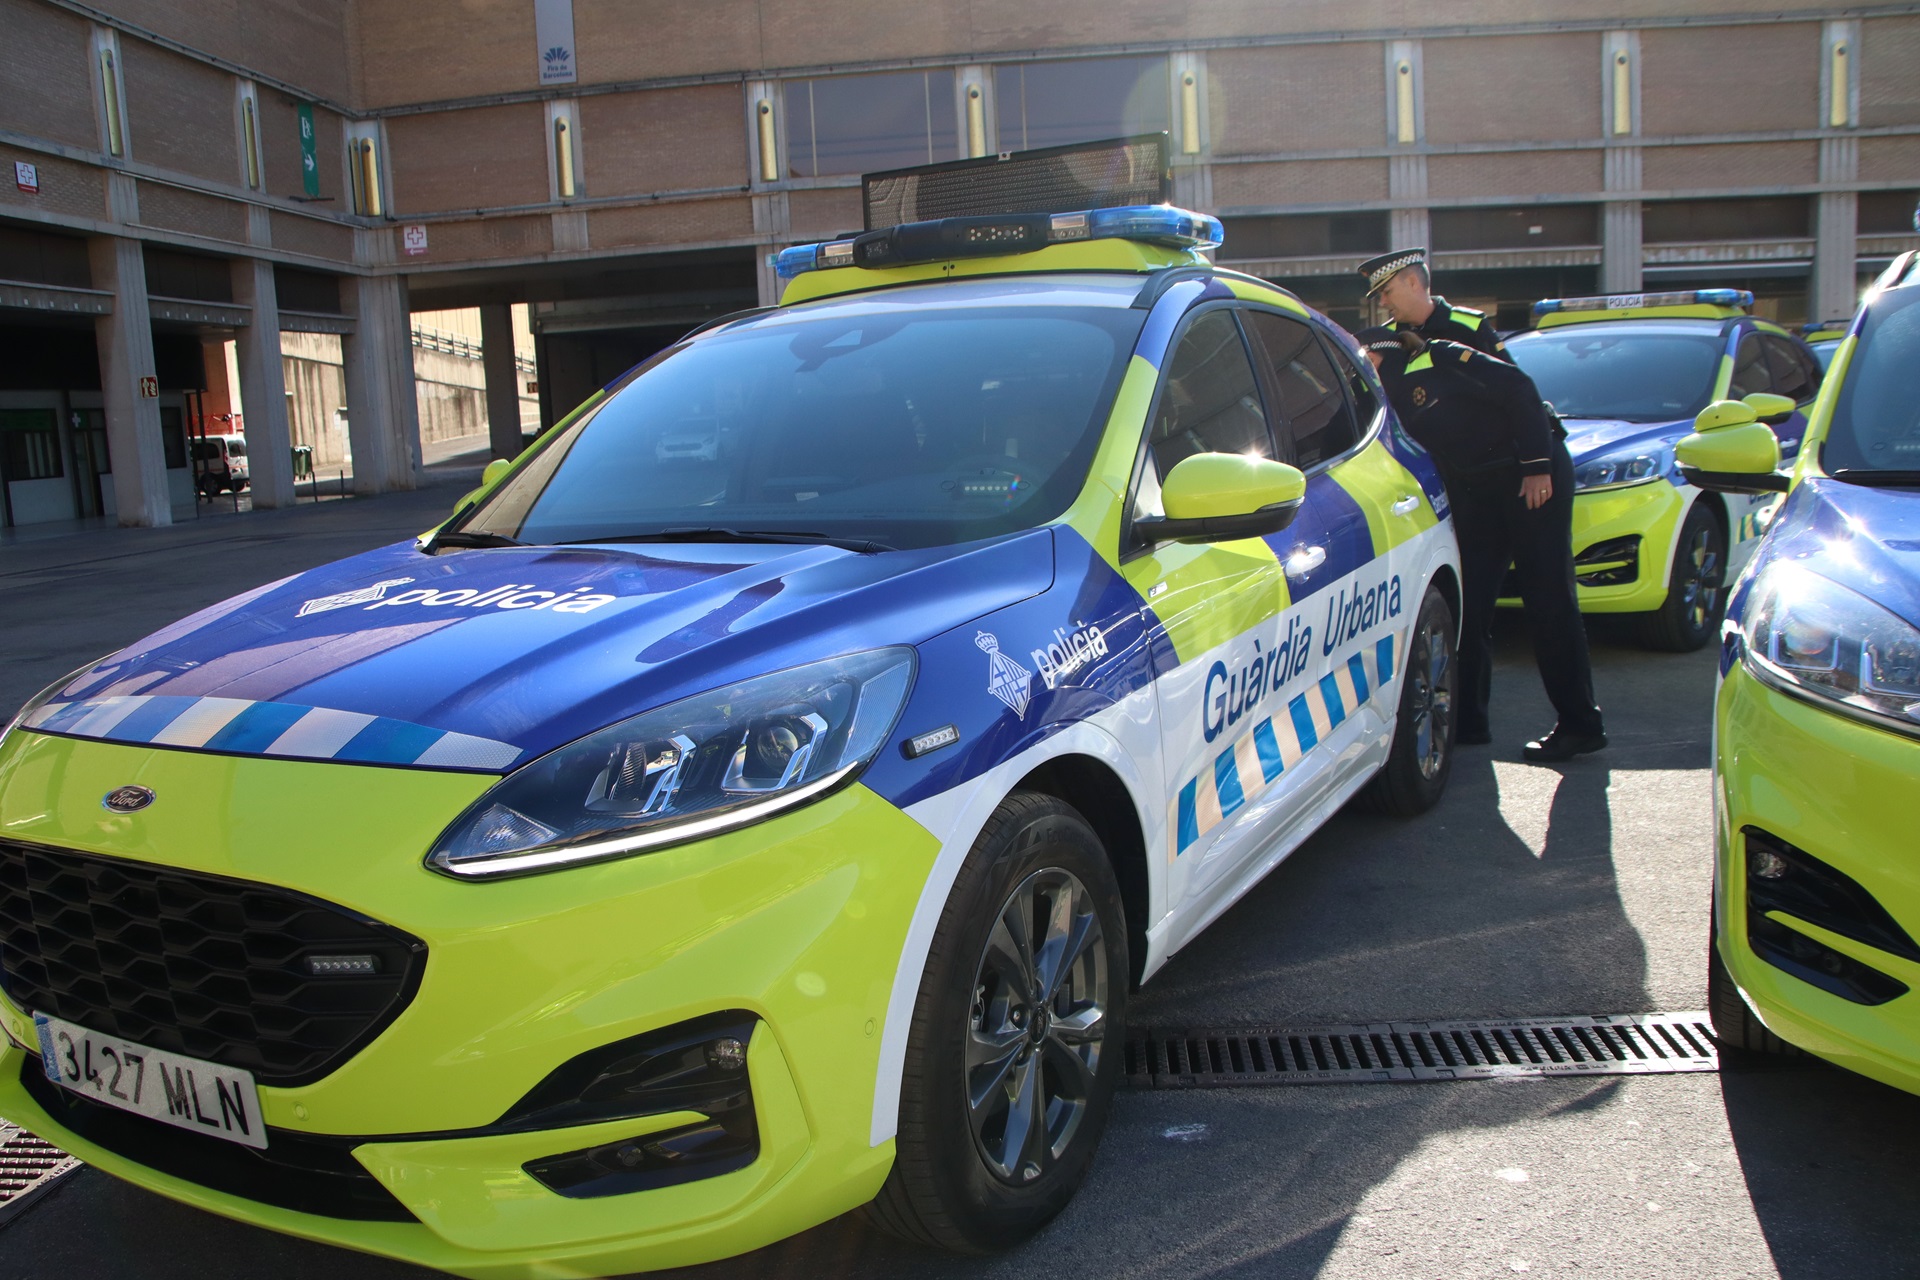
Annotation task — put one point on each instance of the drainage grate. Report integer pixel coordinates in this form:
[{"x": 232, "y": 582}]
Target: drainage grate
[
  {"x": 28, "y": 1167},
  {"x": 1624, "y": 1044}
]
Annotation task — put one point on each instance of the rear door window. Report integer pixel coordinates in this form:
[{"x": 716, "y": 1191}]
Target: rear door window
[
  {"x": 1750, "y": 370},
  {"x": 1794, "y": 376},
  {"x": 1312, "y": 416}
]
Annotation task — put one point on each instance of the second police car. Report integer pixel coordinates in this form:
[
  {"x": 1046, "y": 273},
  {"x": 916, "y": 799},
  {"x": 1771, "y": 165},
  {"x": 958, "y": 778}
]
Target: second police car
[
  {"x": 681, "y": 847},
  {"x": 1816, "y": 889},
  {"x": 1627, "y": 373}
]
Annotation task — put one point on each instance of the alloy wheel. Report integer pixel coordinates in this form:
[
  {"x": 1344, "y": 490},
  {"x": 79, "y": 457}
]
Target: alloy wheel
[
  {"x": 1699, "y": 592},
  {"x": 1429, "y": 667},
  {"x": 1037, "y": 1026}
]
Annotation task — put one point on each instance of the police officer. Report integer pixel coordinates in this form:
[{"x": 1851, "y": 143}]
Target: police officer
[
  {"x": 1404, "y": 287},
  {"x": 1510, "y": 482}
]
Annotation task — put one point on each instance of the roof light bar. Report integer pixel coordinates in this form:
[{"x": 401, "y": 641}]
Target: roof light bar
[
  {"x": 1634, "y": 301},
  {"x": 945, "y": 239}
]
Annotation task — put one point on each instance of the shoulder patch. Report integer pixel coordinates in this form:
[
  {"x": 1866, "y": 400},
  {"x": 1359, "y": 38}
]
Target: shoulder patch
[
  {"x": 1466, "y": 354},
  {"x": 1469, "y": 317}
]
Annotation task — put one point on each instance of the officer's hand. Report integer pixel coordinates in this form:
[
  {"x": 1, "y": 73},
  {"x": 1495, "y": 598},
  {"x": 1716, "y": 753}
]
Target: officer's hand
[{"x": 1535, "y": 490}]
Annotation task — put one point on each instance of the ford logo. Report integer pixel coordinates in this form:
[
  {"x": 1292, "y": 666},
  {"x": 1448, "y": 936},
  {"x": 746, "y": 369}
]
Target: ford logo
[{"x": 128, "y": 799}]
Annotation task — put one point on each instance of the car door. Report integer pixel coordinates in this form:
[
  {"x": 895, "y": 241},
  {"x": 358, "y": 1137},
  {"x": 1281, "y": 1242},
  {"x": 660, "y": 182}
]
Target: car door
[{"x": 1216, "y": 650}]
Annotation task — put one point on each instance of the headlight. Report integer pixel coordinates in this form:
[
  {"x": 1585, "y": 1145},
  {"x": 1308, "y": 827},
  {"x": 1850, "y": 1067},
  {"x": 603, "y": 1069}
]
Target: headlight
[
  {"x": 1618, "y": 470},
  {"x": 691, "y": 769},
  {"x": 1811, "y": 636}
]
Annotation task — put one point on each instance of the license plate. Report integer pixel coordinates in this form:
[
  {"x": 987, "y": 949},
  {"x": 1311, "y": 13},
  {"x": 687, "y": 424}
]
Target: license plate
[{"x": 189, "y": 1093}]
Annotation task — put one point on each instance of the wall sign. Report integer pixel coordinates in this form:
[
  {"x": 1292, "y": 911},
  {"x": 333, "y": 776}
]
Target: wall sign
[
  {"x": 149, "y": 388},
  {"x": 26, "y": 177},
  {"x": 309, "y": 161},
  {"x": 553, "y": 32},
  {"x": 414, "y": 237}
]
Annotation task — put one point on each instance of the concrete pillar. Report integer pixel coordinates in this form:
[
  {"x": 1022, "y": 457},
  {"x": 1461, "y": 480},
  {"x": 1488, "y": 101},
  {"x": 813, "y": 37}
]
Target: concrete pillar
[
  {"x": 383, "y": 416},
  {"x": 1835, "y": 288},
  {"x": 263, "y": 385},
  {"x": 503, "y": 379},
  {"x": 1622, "y": 254},
  {"x": 125, "y": 339}
]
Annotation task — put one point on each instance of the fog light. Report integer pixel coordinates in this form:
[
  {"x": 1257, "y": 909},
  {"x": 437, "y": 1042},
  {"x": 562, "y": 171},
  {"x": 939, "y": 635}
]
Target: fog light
[
  {"x": 1765, "y": 863},
  {"x": 727, "y": 1054}
]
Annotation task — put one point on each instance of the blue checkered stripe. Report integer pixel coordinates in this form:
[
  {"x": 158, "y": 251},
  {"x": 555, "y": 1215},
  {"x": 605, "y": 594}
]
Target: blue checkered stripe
[
  {"x": 1274, "y": 745},
  {"x": 241, "y": 727}
]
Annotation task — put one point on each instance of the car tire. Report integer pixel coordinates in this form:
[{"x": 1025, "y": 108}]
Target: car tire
[
  {"x": 982, "y": 1053},
  {"x": 1696, "y": 588},
  {"x": 1734, "y": 1024},
  {"x": 1421, "y": 757}
]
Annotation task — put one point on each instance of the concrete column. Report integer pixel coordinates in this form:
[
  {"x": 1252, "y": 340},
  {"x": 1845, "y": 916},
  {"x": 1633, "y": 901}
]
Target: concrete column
[
  {"x": 263, "y": 385},
  {"x": 1622, "y": 255},
  {"x": 383, "y": 415},
  {"x": 503, "y": 379},
  {"x": 125, "y": 339},
  {"x": 1407, "y": 180},
  {"x": 1835, "y": 288}
]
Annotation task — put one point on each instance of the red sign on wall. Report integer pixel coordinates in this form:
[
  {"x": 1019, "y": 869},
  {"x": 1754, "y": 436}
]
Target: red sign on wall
[{"x": 149, "y": 388}]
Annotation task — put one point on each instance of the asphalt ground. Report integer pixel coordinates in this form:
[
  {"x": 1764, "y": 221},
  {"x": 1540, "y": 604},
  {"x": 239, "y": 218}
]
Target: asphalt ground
[{"x": 1528, "y": 891}]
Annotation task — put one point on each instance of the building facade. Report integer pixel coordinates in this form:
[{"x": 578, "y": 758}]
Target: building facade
[{"x": 254, "y": 171}]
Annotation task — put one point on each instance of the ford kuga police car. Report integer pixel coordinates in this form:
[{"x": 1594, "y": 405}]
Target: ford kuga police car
[
  {"x": 1627, "y": 374},
  {"x": 1817, "y": 719},
  {"x": 680, "y": 847}
]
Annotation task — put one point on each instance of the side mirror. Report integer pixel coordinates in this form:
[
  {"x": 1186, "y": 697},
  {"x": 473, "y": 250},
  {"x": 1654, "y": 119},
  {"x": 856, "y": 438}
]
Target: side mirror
[
  {"x": 1770, "y": 408},
  {"x": 499, "y": 467},
  {"x": 1731, "y": 450},
  {"x": 1218, "y": 497}
]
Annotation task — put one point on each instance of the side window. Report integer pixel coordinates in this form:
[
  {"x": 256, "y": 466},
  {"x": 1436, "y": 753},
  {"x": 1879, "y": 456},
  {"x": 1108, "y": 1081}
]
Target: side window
[
  {"x": 1209, "y": 404},
  {"x": 1750, "y": 372},
  {"x": 1312, "y": 416},
  {"x": 1365, "y": 403},
  {"x": 1793, "y": 376}
]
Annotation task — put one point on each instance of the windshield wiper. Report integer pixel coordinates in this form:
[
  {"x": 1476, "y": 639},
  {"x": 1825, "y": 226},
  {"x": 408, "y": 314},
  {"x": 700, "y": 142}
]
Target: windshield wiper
[
  {"x": 1876, "y": 479},
  {"x": 865, "y": 546},
  {"x": 468, "y": 538}
]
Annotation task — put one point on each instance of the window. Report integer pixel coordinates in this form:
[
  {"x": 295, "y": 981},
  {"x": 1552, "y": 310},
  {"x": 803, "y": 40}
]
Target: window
[
  {"x": 1534, "y": 227},
  {"x": 1766, "y": 218},
  {"x": 1876, "y": 419},
  {"x": 1306, "y": 235},
  {"x": 173, "y": 437},
  {"x": 863, "y": 124},
  {"x": 1750, "y": 371},
  {"x": 1794, "y": 375},
  {"x": 1047, "y": 104},
  {"x": 1365, "y": 403},
  {"x": 1209, "y": 403},
  {"x": 1315, "y": 422},
  {"x": 30, "y": 445}
]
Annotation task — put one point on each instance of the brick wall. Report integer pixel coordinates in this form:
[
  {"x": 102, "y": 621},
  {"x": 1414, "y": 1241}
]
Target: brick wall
[
  {"x": 180, "y": 113},
  {"x": 1512, "y": 89},
  {"x": 1524, "y": 173},
  {"x": 1704, "y": 80},
  {"x": 664, "y": 140},
  {"x": 45, "y": 86},
  {"x": 1757, "y": 164},
  {"x": 66, "y": 186},
  {"x": 694, "y": 222},
  {"x": 485, "y": 238},
  {"x": 280, "y": 148},
  {"x": 426, "y": 52},
  {"x": 303, "y": 42},
  {"x": 1889, "y": 71},
  {"x": 173, "y": 209},
  {"x": 1296, "y": 98},
  {"x": 1889, "y": 159},
  {"x": 1254, "y": 186},
  {"x": 486, "y": 157},
  {"x": 826, "y": 213}
]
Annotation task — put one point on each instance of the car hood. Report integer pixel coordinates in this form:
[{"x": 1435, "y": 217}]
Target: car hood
[
  {"x": 1862, "y": 538},
  {"x": 1591, "y": 437},
  {"x": 483, "y": 659}
]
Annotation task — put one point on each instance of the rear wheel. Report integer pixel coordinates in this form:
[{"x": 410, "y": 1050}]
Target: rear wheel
[
  {"x": 1016, "y": 1042},
  {"x": 1696, "y": 594},
  {"x": 1734, "y": 1024},
  {"x": 1421, "y": 757}
]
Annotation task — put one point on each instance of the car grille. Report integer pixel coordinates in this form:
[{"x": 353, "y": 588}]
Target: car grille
[{"x": 197, "y": 964}]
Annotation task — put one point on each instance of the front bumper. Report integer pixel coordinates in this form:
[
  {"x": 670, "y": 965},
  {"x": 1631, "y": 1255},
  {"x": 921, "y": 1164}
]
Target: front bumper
[
  {"x": 1834, "y": 788},
  {"x": 797, "y": 922},
  {"x": 1652, "y": 513}
]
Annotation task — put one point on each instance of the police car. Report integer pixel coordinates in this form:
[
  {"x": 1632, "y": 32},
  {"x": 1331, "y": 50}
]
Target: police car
[
  {"x": 1823, "y": 338},
  {"x": 671, "y": 852},
  {"x": 1817, "y": 716},
  {"x": 1627, "y": 374}
]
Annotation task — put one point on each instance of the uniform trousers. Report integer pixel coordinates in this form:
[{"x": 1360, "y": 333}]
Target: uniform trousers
[{"x": 1495, "y": 529}]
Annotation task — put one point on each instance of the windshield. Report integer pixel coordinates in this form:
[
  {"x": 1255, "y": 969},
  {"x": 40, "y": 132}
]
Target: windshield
[
  {"x": 206, "y": 450},
  {"x": 1876, "y": 420},
  {"x": 1593, "y": 372},
  {"x": 907, "y": 427}
]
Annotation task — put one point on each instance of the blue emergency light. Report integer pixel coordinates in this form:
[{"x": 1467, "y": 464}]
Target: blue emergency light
[
  {"x": 944, "y": 239},
  {"x": 1635, "y": 301}
]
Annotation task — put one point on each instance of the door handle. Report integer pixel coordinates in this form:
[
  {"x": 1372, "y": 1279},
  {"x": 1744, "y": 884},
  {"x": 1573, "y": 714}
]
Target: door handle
[
  {"x": 1405, "y": 506},
  {"x": 1305, "y": 560}
]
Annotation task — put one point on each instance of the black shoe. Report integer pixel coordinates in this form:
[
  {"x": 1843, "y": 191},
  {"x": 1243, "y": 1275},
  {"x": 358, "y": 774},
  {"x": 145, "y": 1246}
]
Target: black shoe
[
  {"x": 1472, "y": 737},
  {"x": 1562, "y": 744}
]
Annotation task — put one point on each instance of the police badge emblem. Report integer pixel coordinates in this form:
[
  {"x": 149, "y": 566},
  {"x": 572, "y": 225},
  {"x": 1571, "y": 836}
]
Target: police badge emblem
[{"x": 1007, "y": 680}]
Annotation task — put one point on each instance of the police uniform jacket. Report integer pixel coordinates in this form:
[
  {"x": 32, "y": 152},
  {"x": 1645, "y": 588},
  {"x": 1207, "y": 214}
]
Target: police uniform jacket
[
  {"x": 1463, "y": 325},
  {"x": 1476, "y": 414}
]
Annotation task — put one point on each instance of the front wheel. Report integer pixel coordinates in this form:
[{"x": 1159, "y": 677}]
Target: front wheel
[
  {"x": 1016, "y": 1042},
  {"x": 1421, "y": 757},
  {"x": 1735, "y": 1025},
  {"x": 1696, "y": 593}
]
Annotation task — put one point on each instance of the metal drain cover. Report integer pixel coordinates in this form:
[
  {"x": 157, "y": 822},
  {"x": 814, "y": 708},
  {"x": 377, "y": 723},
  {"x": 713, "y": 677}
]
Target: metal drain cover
[
  {"x": 28, "y": 1168},
  {"x": 1622, "y": 1044}
]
